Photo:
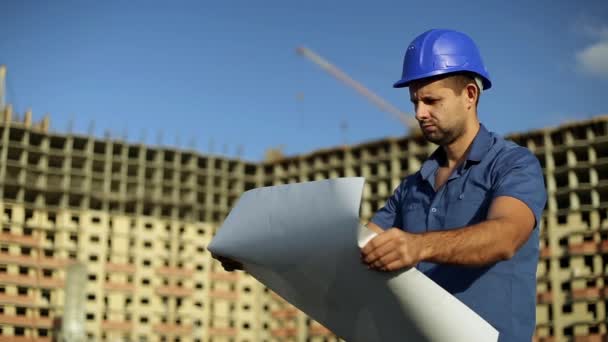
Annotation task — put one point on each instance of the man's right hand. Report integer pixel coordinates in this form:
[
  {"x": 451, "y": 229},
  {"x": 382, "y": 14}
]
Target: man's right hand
[{"x": 229, "y": 265}]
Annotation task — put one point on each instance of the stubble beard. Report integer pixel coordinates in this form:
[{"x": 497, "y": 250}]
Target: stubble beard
[{"x": 443, "y": 137}]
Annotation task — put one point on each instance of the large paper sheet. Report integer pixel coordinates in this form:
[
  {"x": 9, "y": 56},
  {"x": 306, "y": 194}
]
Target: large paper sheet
[{"x": 303, "y": 242}]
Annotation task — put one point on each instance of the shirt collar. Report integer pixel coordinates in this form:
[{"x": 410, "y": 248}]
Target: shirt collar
[
  {"x": 479, "y": 147},
  {"x": 481, "y": 144}
]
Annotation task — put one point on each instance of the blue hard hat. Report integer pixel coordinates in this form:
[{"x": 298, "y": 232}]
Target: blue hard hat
[{"x": 438, "y": 52}]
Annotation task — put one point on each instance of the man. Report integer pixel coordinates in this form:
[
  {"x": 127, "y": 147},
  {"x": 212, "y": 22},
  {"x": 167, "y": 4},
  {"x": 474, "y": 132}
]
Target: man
[{"x": 469, "y": 218}]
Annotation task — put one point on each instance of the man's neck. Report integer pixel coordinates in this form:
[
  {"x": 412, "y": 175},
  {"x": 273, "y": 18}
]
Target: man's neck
[{"x": 457, "y": 151}]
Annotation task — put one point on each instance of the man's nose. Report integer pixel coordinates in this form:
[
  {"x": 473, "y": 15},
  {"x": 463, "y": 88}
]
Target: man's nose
[{"x": 422, "y": 112}]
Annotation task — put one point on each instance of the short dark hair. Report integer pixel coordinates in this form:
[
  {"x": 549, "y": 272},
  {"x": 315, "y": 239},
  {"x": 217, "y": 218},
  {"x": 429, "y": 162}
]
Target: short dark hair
[
  {"x": 457, "y": 81},
  {"x": 462, "y": 79}
]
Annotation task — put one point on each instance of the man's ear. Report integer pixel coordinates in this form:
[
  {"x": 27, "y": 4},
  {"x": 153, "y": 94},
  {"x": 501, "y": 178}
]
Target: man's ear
[{"x": 471, "y": 93}]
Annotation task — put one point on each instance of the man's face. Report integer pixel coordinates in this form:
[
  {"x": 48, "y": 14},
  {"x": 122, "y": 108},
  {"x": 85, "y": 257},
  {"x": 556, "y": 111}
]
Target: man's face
[{"x": 440, "y": 109}]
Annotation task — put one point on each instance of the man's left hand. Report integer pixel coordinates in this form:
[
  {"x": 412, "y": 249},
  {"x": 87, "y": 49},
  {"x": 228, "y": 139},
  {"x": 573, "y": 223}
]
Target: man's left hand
[{"x": 392, "y": 250}]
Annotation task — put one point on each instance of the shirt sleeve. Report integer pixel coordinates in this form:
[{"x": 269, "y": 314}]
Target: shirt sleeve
[
  {"x": 520, "y": 175},
  {"x": 389, "y": 215}
]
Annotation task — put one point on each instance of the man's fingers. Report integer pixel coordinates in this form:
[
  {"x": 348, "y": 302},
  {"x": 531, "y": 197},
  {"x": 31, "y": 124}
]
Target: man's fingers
[
  {"x": 386, "y": 259},
  {"x": 395, "y": 265},
  {"x": 379, "y": 252},
  {"x": 378, "y": 241},
  {"x": 391, "y": 250}
]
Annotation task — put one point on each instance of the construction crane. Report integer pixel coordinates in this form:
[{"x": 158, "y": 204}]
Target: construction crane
[
  {"x": 2, "y": 87},
  {"x": 407, "y": 120}
]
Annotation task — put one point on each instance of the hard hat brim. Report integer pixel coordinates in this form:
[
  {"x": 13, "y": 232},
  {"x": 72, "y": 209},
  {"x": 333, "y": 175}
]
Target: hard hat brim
[{"x": 405, "y": 82}]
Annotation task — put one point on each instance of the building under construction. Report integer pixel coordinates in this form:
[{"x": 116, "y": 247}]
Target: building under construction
[{"x": 140, "y": 217}]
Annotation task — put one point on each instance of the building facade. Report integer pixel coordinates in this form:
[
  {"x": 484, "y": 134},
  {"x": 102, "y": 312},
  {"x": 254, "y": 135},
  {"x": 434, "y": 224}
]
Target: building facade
[{"x": 140, "y": 217}]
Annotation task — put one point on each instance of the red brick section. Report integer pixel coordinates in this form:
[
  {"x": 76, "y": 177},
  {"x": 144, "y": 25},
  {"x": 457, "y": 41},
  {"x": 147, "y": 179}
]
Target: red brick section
[
  {"x": 174, "y": 272},
  {"x": 285, "y": 313},
  {"x": 591, "y": 338},
  {"x": 119, "y": 287},
  {"x": 545, "y": 252},
  {"x": 30, "y": 281},
  {"x": 38, "y": 322},
  {"x": 123, "y": 268},
  {"x": 317, "y": 329},
  {"x": 53, "y": 262},
  {"x": 17, "y": 300},
  {"x": 224, "y": 276},
  {"x": 116, "y": 325},
  {"x": 175, "y": 291},
  {"x": 591, "y": 292},
  {"x": 544, "y": 297},
  {"x": 284, "y": 332},
  {"x": 23, "y": 240},
  {"x": 583, "y": 248},
  {"x": 24, "y": 339},
  {"x": 172, "y": 329},
  {"x": 222, "y": 331},
  {"x": 27, "y": 260},
  {"x": 228, "y": 295}
]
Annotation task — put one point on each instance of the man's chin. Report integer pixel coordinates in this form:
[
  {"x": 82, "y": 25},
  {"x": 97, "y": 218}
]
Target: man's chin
[{"x": 433, "y": 137}]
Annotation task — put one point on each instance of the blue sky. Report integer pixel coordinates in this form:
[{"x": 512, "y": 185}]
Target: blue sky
[{"x": 221, "y": 75}]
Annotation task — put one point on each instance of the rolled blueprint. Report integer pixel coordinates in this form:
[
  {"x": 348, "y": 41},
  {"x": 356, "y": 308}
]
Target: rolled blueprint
[{"x": 303, "y": 242}]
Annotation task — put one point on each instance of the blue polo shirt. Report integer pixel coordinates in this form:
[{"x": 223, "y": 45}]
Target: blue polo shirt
[{"x": 503, "y": 293}]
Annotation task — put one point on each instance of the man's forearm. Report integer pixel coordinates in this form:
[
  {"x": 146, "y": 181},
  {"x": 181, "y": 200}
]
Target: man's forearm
[{"x": 480, "y": 244}]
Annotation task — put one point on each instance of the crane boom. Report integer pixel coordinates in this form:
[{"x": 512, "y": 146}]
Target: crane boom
[
  {"x": 407, "y": 120},
  {"x": 2, "y": 87}
]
